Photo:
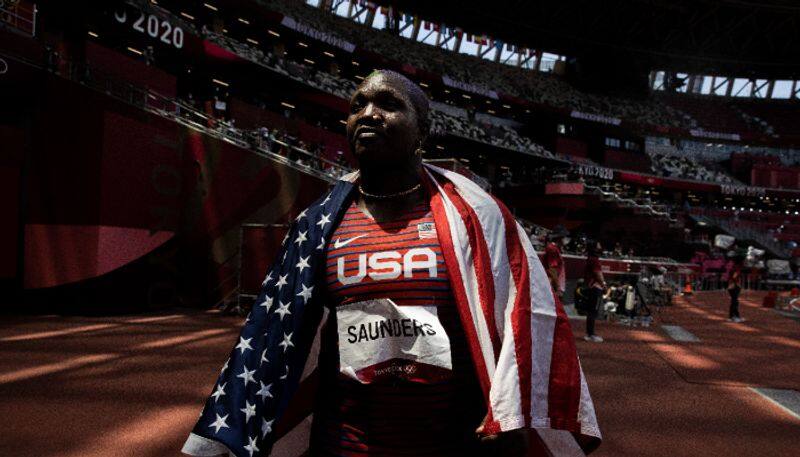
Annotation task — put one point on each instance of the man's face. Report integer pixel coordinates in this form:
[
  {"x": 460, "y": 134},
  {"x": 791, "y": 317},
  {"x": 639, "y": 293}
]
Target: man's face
[{"x": 382, "y": 124}]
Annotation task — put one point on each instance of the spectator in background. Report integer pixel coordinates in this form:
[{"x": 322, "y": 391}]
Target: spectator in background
[
  {"x": 593, "y": 278},
  {"x": 617, "y": 249},
  {"x": 52, "y": 59},
  {"x": 220, "y": 107},
  {"x": 553, "y": 261},
  {"x": 231, "y": 127},
  {"x": 263, "y": 136},
  {"x": 735, "y": 286},
  {"x": 149, "y": 55}
]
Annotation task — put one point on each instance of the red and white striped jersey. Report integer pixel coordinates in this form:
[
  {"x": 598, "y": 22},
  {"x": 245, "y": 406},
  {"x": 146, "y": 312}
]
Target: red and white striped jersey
[{"x": 396, "y": 405}]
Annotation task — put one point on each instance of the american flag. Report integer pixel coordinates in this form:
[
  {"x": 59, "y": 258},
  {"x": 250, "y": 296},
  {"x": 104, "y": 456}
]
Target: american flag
[{"x": 520, "y": 339}]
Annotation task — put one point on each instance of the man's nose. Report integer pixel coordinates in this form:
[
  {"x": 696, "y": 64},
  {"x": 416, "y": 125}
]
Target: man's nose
[{"x": 371, "y": 113}]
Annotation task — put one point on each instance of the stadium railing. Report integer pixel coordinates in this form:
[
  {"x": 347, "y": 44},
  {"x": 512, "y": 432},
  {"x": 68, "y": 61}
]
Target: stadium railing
[
  {"x": 19, "y": 16},
  {"x": 186, "y": 115},
  {"x": 744, "y": 232}
]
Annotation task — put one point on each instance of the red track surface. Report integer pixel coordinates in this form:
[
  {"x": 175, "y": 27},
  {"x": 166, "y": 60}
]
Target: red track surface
[{"x": 133, "y": 386}]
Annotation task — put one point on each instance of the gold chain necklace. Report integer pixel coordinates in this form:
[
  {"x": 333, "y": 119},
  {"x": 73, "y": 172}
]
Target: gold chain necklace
[{"x": 398, "y": 194}]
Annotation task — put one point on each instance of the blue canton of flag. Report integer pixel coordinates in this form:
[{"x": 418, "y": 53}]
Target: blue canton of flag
[{"x": 265, "y": 366}]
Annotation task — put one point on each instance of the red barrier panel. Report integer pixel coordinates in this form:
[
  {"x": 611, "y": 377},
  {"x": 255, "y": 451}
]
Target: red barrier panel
[
  {"x": 626, "y": 160},
  {"x": 563, "y": 188},
  {"x": 571, "y": 147},
  {"x": 9, "y": 201},
  {"x": 112, "y": 186}
]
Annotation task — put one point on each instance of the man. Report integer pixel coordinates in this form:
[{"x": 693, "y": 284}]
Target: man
[
  {"x": 553, "y": 262},
  {"x": 442, "y": 336},
  {"x": 735, "y": 284},
  {"x": 595, "y": 282}
]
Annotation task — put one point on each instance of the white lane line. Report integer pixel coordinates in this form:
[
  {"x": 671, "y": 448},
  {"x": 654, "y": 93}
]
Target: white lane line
[
  {"x": 56, "y": 367},
  {"x": 787, "y": 400},
  {"x": 678, "y": 333},
  {"x": 63, "y": 332}
]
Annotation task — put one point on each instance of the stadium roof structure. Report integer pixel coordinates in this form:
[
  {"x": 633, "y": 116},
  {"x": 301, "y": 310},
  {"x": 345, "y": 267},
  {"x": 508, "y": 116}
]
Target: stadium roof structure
[{"x": 748, "y": 38}]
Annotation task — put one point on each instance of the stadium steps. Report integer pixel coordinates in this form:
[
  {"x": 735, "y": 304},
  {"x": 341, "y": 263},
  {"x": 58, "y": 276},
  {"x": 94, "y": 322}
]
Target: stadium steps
[
  {"x": 643, "y": 209},
  {"x": 760, "y": 239}
]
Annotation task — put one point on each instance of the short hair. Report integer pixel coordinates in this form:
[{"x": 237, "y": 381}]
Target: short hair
[{"x": 417, "y": 96}]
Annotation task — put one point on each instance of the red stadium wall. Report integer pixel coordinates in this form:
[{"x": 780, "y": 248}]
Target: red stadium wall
[
  {"x": 571, "y": 146},
  {"x": 11, "y": 164},
  {"x": 122, "y": 199},
  {"x": 626, "y": 160},
  {"x": 775, "y": 176},
  {"x": 9, "y": 201},
  {"x": 248, "y": 116}
]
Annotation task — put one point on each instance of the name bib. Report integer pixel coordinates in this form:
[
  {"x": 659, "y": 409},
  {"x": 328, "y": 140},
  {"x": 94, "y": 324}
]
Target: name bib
[{"x": 379, "y": 340}]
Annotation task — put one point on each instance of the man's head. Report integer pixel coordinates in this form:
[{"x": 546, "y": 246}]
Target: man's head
[
  {"x": 388, "y": 118},
  {"x": 594, "y": 248},
  {"x": 560, "y": 235}
]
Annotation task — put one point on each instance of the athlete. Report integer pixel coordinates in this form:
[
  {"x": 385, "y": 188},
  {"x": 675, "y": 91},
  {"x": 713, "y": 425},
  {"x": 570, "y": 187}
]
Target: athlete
[
  {"x": 442, "y": 336},
  {"x": 400, "y": 407}
]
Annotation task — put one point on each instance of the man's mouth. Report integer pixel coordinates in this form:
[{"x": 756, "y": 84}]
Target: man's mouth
[
  {"x": 363, "y": 135},
  {"x": 366, "y": 133}
]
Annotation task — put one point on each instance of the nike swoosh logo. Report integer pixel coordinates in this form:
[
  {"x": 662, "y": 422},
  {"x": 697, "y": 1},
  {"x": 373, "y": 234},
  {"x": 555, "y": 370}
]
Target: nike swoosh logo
[{"x": 339, "y": 243}]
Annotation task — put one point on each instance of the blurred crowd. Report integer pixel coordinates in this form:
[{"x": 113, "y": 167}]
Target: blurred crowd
[
  {"x": 441, "y": 123},
  {"x": 531, "y": 85},
  {"x": 685, "y": 168}
]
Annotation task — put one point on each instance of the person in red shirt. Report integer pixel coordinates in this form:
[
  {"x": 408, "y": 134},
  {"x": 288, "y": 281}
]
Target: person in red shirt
[
  {"x": 387, "y": 280},
  {"x": 402, "y": 370},
  {"x": 553, "y": 262},
  {"x": 594, "y": 281},
  {"x": 735, "y": 287}
]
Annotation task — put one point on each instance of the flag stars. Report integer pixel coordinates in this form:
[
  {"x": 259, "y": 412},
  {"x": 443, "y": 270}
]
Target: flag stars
[
  {"x": 266, "y": 427},
  {"x": 301, "y": 215},
  {"x": 219, "y": 423},
  {"x": 263, "y": 357},
  {"x": 281, "y": 281},
  {"x": 244, "y": 344},
  {"x": 246, "y": 375},
  {"x": 321, "y": 243},
  {"x": 285, "y": 237},
  {"x": 267, "y": 303},
  {"x": 327, "y": 199},
  {"x": 225, "y": 367},
  {"x": 286, "y": 375},
  {"x": 267, "y": 279},
  {"x": 283, "y": 309},
  {"x": 251, "y": 446},
  {"x": 264, "y": 393},
  {"x": 219, "y": 391},
  {"x": 305, "y": 293},
  {"x": 325, "y": 219},
  {"x": 301, "y": 236},
  {"x": 248, "y": 410},
  {"x": 303, "y": 263},
  {"x": 286, "y": 343}
]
